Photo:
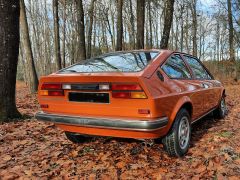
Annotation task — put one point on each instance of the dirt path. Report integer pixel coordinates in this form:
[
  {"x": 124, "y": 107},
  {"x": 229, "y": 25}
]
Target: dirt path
[{"x": 35, "y": 149}]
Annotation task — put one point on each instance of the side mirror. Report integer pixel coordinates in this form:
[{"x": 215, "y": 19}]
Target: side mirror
[{"x": 160, "y": 76}]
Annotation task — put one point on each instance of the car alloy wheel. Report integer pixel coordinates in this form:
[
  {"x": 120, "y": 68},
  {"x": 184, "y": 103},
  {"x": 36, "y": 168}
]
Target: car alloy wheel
[
  {"x": 221, "y": 110},
  {"x": 184, "y": 132},
  {"x": 223, "y": 106},
  {"x": 177, "y": 141}
]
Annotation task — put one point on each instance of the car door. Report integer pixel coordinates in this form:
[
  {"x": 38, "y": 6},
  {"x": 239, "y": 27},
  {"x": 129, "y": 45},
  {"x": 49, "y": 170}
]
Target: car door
[
  {"x": 204, "y": 79},
  {"x": 182, "y": 79}
]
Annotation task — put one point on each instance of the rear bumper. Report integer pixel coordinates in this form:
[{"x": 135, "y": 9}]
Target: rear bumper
[{"x": 121, "y": 124}]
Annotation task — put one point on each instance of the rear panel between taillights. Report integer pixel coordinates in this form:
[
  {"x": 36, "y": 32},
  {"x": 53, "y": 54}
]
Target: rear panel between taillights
[{"x": 95, "y": 96}]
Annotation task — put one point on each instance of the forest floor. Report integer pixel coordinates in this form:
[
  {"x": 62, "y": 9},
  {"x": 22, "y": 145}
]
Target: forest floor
[{"x": 33, "y": 149}]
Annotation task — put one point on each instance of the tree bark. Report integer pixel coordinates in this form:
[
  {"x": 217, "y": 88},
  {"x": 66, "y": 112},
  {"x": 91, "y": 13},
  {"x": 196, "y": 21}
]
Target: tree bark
[
  {"x": 140, "y": 23},
  {"x": 132, "y": 37},
  {"x": 64, "y": 35},
  {"x": 231, "y": 31},
  {"x": 182, "y": 27},
  {"x": 108, "y": 28},
  {"x": 89, "y": 38},
  {"x": 47, "y": 44},
  {"x": 56, "y": 35},
  {"x": 9, "y": 50},
  {"x": 150, "y": 25},
  {"x": 81, "y": 30},
  {"x": 168, "y": 18},
  {"x": 187, "y": 32},
  {"x": 33, "y": 79},
  {"x": 119, "y": 25},
  {"x": 194, "y": 25}
]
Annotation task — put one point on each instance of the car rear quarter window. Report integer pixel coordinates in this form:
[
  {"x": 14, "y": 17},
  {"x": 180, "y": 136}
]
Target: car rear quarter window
[
  {"x": 197, "y": 68},
  {"x": 114, "y": 62},
  {"x": 175, "y": 67}
]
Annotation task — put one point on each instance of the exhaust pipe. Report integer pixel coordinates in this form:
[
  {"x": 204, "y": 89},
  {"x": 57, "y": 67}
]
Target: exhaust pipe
[{"x": 148, "y": 142}]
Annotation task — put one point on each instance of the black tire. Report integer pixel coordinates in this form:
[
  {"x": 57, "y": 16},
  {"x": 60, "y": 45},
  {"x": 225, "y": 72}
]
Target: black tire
[
  {"x": 172, "y": 141},
  {"x": 76, "y": 138},
  {"x": 221, "y": 110}
]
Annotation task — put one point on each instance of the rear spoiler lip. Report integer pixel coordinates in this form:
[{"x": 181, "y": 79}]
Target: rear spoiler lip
[{"x": 105, "y": 123}]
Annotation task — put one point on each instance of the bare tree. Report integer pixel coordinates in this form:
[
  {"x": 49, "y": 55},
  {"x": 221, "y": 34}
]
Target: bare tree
[
  {"x": 231, "y": 31},
  {"x": 81, "y": 30},
  {"x": 140, "y": 23},
  {"x": 33, "y": 79},
  {"x": 182, "y": 7},
  {"x": 194, "y": 26},
  {"x": 89, "y": 39},
  {"x": 169, "y": 8},
  {"x": 64, "y": 34},
  {"x": 150, "y": 25},
  {"x": 119, "y": 25},
  {"x": 56, "y": 35},
  {"x": 132, "y": 24},
  {"x": 9, "y": 50}
]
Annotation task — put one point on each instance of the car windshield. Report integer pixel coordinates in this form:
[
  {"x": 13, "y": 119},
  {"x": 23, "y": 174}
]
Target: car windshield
[{"x": 114, "y": 62}]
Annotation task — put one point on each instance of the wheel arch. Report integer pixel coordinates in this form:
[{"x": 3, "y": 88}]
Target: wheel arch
[
  {"x": 224, "y": 93},
  {"x": 184, "y": 102},
  {"x": 188, "y": 106}
]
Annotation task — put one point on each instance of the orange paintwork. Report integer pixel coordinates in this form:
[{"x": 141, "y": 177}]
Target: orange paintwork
[{"x": 164, "y": 99}]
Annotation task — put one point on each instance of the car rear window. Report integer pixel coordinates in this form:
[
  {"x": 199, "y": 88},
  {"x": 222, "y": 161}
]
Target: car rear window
[{"x": 114, "y": 62}]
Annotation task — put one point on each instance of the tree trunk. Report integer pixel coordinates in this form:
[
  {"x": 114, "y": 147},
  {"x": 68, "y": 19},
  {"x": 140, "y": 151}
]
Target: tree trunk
[
  {"x": 81, "y": 30},
  {"x": 140, "y": 23},
  {"x": 56, "y": 35},
  {"x": 187, "y": 32},
  {"x": 150, "y": 25},
  {"x": 89, "y": 39},
  {"x": 33, "y": 79},
  {"x": 119, "y": 25},
  {"x": 218, "y": 41},
  {"x": 94, "y": 37},
  {"x": 109, "y": 29},
  {"x": 182, "y": 27},
  {"x": 9, "y": 50},
  {"x": 194, "y": 25},
  {"x": 231, "y": 32},
  {"x": 113, "y": 28},
  {"x": 167, "y": 23},
  {"x": 132, "y": 37},
  {"x": 64, "y": 35},
  {"x": 176, "y": 33},
  {"x": 47, "y": 46},
  {"x": 37, "y": 48}
]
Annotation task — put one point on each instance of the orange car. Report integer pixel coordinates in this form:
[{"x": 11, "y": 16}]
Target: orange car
[{"x": 145, "y": 94}]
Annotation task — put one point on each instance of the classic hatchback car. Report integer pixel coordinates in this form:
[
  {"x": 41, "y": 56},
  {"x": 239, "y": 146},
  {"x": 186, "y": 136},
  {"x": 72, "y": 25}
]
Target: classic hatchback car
[{"x": 145, "y": 94}]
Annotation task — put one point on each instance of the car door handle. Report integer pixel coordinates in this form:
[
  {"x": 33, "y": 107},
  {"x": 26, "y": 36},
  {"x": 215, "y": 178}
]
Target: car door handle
[
  {"x": 204, "y": 85},
  {"x": 160, "y": 76}
]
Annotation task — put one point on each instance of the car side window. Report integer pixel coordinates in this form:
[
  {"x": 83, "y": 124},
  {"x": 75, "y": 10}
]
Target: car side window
[
  {"x": 198, "y": 70},
  {"x": 175, "y": 67}
]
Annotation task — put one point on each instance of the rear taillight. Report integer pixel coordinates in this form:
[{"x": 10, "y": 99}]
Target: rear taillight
[
  {"x": 51, "y": 89},
  {"x": 126, "y": 87},
  {"x": 126, "y": 95},
  {"x": 128, "y": 91},
  {"x": 47, "y": 86}
]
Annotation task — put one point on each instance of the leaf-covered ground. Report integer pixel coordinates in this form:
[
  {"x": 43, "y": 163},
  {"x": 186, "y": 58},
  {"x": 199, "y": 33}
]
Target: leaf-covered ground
[{"x": 32, "y": 149}]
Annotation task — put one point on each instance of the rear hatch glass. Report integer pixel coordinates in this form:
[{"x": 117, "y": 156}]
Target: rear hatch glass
[{"x": 114, "y": 62}]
